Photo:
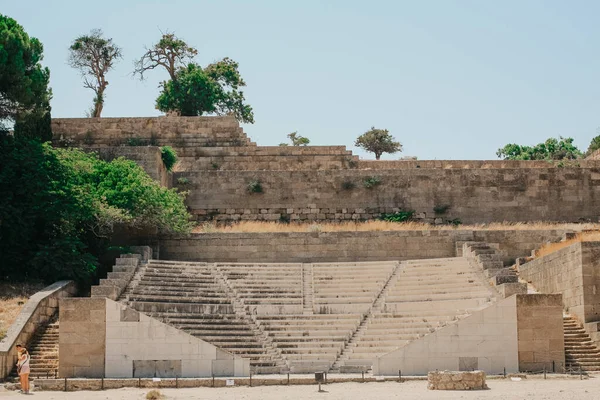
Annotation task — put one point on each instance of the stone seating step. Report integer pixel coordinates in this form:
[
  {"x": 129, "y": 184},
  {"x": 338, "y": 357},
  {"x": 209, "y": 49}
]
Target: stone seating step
[
  {"x": 178, "y": 299},
  {"x": 435, "y": 297}
]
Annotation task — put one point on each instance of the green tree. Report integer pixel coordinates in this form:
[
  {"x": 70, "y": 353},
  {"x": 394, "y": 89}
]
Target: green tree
[
  {"x": 298, "y": 140},
  {"x": 24, "y": 93},
  {"x": 213, "y": 90},
  {"x": 60, "y": 207},
  {"x": 551, "y": 149},
  {"x": 94, "y": 56},
  {"x": 594, "y": 144},
  {"x": 378, "y": 141},
  {"x": 170, "y": 53}
]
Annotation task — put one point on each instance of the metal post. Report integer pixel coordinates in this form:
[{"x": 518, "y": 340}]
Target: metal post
[
  {"x": 250, "y": 378},
  {"x": 400, "y": 375},
  {"x": 65, "y": 384},
  {"x": 213, "y": 380},
  {"x": 505, "y": 372},
  {"x": 553, "y": 367},
  {"x": 102, "y": 384},
  {"x": 139, "y": 382},
  {"x": 176, "y": 382},
  {"x": 288, "y": 378},
  {"x": 363, "y": 376},
  {"x": 325, "y": 377},
  {"x": 544, "y": 372}
]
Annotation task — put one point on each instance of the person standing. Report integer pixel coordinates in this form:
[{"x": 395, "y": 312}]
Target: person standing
[{"x": 23, "y": 368}]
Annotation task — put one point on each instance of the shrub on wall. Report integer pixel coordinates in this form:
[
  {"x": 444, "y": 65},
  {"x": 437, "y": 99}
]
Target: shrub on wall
[
  {"x": 169, "y": 157},
  {"x": 255, "y": 187},
  {"x": 371, "y": 181},
  {"x": 400, "y": 216}
]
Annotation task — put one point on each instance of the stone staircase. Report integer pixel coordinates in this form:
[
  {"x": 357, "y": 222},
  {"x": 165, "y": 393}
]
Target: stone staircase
[
  {"x": 43, "y": 349},
  {"x": 307, "y": 289},
  {"x": 191, "y": 297},
  {"x": 580, "y": 351},
  {"x": 423, "y": 296},
  {"x": 487, "y": 257},
  {"x": 340, "y": 363}
]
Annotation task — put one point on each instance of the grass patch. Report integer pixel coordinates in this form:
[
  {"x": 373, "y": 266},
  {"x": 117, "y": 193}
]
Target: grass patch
[
  {"x": 351, "y": 226},
  {"x": 549, "y": 248}
]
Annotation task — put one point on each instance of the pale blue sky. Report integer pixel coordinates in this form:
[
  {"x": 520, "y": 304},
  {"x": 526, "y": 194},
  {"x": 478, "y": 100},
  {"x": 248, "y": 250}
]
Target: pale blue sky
[{"x": 449, "y": 79}]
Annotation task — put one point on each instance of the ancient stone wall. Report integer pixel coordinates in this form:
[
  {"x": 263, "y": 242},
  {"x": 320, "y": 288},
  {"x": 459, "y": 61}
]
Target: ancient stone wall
[
  {"x": 574, "y": 272},
  {"x": 346, "y": 246},
  {"x": 158, "y": 131},
  {"x": 469, "y": 195},
  {"x": 327, "y": 183},
  {"x": 540, "y": 332},
  {"x": 37, "y": 312},
  {"x": 82, "y": 338}
]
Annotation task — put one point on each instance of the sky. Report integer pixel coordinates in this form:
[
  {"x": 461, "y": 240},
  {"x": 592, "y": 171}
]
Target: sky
[{"x": 449, "y": 79}]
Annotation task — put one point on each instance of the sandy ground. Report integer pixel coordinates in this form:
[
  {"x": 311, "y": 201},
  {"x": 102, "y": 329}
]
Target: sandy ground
[{"x": 530, "y": 389}]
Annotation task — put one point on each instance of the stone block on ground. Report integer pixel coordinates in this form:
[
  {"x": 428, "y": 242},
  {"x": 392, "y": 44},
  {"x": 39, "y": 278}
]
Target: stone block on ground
[{"x": 456, "y": 380}]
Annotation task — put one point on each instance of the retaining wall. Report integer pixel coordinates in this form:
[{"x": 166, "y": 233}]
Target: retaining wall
[
  {"x": 37, "y": 311},
  {"x": 346, "y": 246},
  {"x": 469, "y": 195}
]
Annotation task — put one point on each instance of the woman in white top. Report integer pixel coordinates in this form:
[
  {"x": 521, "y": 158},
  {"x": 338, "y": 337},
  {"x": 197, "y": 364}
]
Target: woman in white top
[{"x": 23, "y": 369}]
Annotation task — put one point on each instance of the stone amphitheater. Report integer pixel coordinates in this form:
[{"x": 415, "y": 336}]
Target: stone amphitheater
[{"x": 408, "y": 301}]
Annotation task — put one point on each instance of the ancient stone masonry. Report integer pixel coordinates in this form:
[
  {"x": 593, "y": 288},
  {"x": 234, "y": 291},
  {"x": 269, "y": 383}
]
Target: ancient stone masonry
[
  {"x": 327, "y": 183},
  {"x": 454, "y": 380},
  {"x": 347, "y": 246}
]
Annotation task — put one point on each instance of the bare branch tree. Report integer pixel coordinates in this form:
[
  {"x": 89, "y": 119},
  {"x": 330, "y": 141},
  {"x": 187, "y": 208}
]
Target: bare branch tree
[
  {"x": 170, "y": 53},
  {"x": 94, "y": 56}
]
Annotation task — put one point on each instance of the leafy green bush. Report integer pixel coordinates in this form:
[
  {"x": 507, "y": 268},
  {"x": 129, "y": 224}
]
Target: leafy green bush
[
  {"x": 255, "y": 187},
  {"x": 169, "y": 157},
  {"x": 371, "y": 181},
  {"x": 59, "y": 208},
  {"x": 400, "y": 216}
]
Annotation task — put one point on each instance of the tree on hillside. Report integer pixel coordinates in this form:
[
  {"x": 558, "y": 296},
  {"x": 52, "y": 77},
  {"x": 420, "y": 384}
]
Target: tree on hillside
[
  {"x": 594, "y": 144},
  {"x": 296, "y": 140},
  {"x": 198, "y": 91},
  {"x": 24, "y": 93},
  {"x": 378, "y": 141},
  {"x": 551, "y": 149},
  {"x": 170, "y": 52},
  {"x": 94, "y": 56}
]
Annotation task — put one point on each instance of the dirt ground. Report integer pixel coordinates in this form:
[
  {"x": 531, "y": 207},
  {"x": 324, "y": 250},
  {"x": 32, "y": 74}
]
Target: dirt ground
[{"x": 529, "y": 389}]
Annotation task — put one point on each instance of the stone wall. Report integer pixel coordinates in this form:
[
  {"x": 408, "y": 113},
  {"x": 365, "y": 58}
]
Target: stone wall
[
  {"x": 36, "y": 313},
  {"x": 160, "y": 131},
  {"x": 469, "y": 195},
  {"x": 82, "y": 338},
  {"x": 102, "y": 338},
  {"x": 346, "y": 246},
  {"x": 453, "y": 380},
  {"x": 572, "y": 271},
  {"x": 540, "y": 332}
]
